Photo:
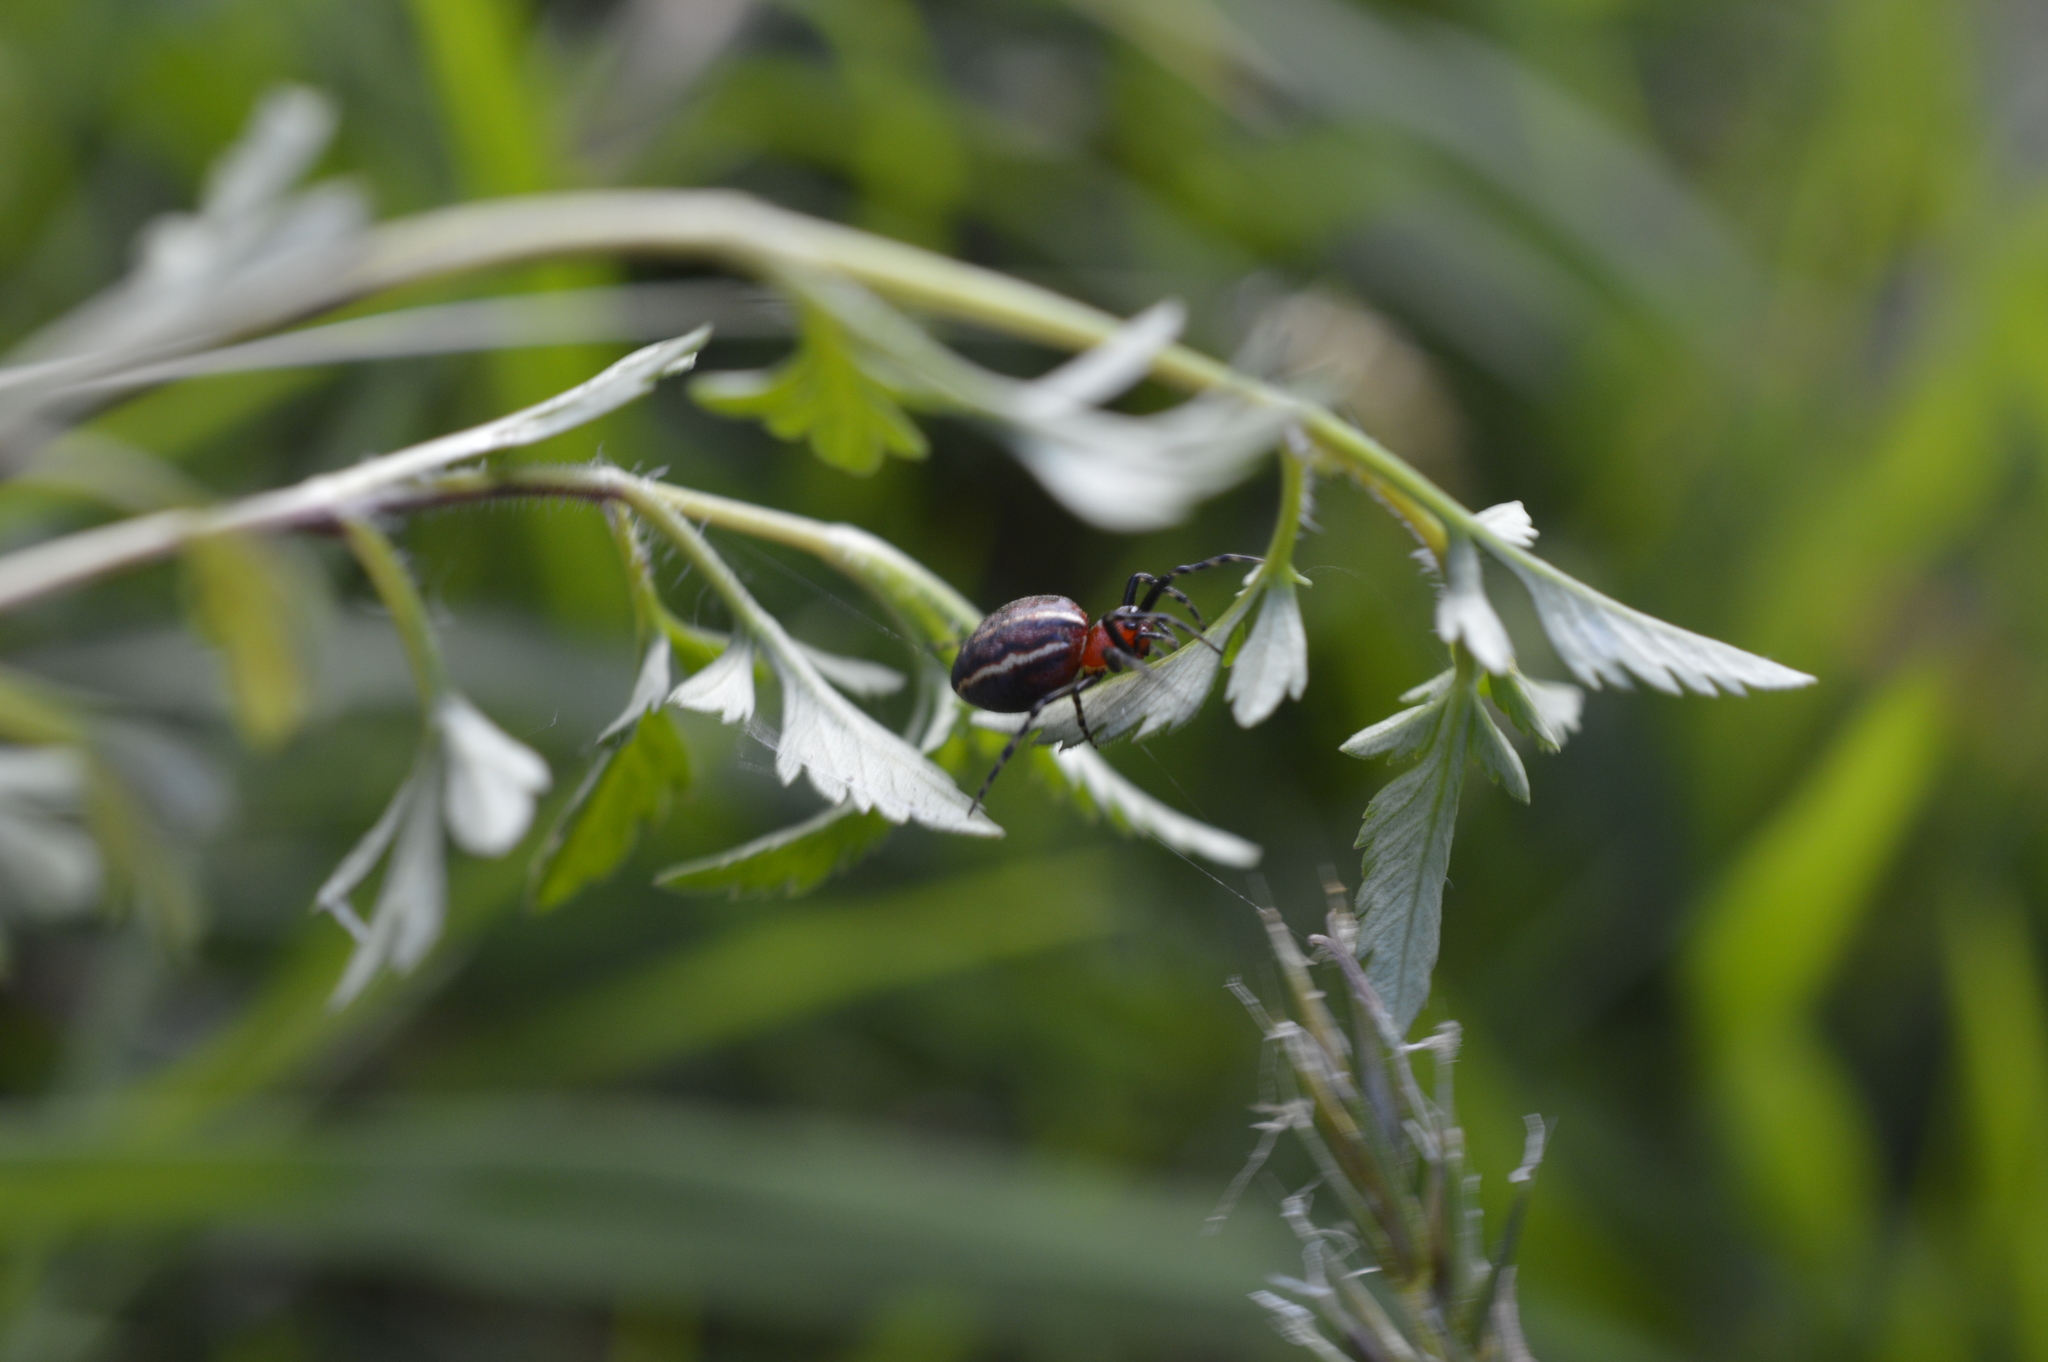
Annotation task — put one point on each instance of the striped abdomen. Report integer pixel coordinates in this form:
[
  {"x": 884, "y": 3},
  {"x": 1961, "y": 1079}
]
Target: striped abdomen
[{"x": 1021, "y": 653}]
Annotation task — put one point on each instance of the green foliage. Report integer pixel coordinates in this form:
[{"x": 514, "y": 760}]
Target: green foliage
[
  {"x": 826, "y": 393},
  {"x": 1409, "y": 825},
  {"x": 791, "y": 861},
  {"x": 1761, "y": 342},
  {"x": 240, "y": 602},
  {"x": 800, "y": 963},
  {"x": 627, "y": 790}
]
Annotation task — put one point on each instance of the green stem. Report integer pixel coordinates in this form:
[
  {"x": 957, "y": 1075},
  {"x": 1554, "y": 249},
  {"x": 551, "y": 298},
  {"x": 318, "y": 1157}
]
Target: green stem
[
  {"x": 759, "y": 239},
  {"x": 394, "y": 586}
]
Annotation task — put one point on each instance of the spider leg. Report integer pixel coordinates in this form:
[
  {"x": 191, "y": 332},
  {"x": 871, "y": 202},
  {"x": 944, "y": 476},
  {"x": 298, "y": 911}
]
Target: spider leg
[
  {"x": 1031, "y": 717},
  {"x": 1131, "y": 593},
  {"x": 1160, "y": 584},
  {"x": 1081, "y": 715}
]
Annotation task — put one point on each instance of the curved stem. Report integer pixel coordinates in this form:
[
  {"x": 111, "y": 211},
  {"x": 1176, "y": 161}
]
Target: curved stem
[
  {"x": 395, "y": 587},
  {"x": 757, "y": 238}
]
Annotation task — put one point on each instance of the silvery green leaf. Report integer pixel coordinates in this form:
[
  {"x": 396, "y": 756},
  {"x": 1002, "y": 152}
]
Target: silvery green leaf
[
  {"x": 1464, "y": 615},
  {"x": 1273, "y": 663},
  {"x": 42, "y": 779},
  {"x": 1132, "y": 809},
  {"x": 1509, "y": 521},
  {"x": 1399, "y": 734},
  {"x": 1548, "y": 711},
  {"x": 630, "y": 312},
  {"x": 333, "y": 894},
  {"x": 253, "y": 231},
  {"x": 630, "y": 378},
  {"x": 787, "y": 862},
  {"x": 1604, "y": 641},
  {"x": 938, "y": 708},
  {"x": 725, "y": 688},
  {"x": 650, "y": 689},
  {"x": 1106, "y": 370},
  {"x": 492, "y": 780},
  {"x": 1497, "y": 755},
  {"x": 1407, "y": 842},
  {"x": 1166, "y": 695},
  {"x": 413, "y": 900},
  {"x": 1430, "y": 689},
  {"x": 49, "y": 868},
  {"x": 1124, "y": 473},
  {"x": 1130, "y": 474},
  {"x": 854, "y": 675},
  {"x": 850, "y": 758}
]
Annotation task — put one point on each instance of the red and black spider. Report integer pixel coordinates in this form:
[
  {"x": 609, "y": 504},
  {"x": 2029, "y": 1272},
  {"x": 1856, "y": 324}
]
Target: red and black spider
[{"x": 1044, "y": 648}]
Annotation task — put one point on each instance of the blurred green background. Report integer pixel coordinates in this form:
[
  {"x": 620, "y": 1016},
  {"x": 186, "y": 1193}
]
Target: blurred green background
[{"x": 1746, "y": 299}]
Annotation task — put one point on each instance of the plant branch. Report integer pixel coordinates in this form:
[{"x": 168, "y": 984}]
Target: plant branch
[{"x": 756, "y": 238}]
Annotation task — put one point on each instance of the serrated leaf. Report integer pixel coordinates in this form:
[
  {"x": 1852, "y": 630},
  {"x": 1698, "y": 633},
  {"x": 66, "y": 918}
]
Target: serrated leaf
[
  {"x": 650, "y": 689},
  {"x": 1162, "y": 697},
  {"x": 1100, "y": 789},
  {"x": 628, "y": 790},
  {"x": 49, "y": 867},
  {"x": 846, "y": 755},
  {"x": 1273, "y": 663},
  {"x": 824, "y": 394},
  {"x": 1497, "y": 756},
  {"x": 1465, "y": 615},
  {"x": 724, "y": 688},
  {"x": 412, "y": 902},
  {"x": 238, "y": 600},
  {"x": 791, "y": 861},
  {"x": 1407, "y": 842},
  {"x": 1548, "y": 711},
  {"x": 1606, "y": 642}
]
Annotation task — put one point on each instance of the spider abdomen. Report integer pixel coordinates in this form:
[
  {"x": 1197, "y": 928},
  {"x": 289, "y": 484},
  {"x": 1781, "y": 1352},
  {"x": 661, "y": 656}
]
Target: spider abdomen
[{"x": 1020, "y": 653}]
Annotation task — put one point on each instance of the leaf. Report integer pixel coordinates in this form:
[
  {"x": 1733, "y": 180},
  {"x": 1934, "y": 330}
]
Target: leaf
[
  {"x": 1118, "y": 472},
  {"x": 413, "y": 900},
  {"x": 650, "y": 689},
  {"x": 725, "y": 688},
  {"x": 1509, "y": 520},
  {"x": 1399, "y": 734},
  {"x": 1604, "y": 641},
  {"x": 1548, "y": 711},
  {"x": 848, "y": 756},
  {"x": 49, "y": 866},
  {"x": 1409, "y": 825},
  {"x": 1104, "y": 371},
  {"x": 785, "y": 1219},
  {"x": 1407, "y": 842},
  {"x": 1464, "y": 615},
  {"x": 788, "y": 862},
  {"x": 769, "y": 970},
  {"x": 1099, "y": 788},
  {"x": 1273, "y": 663},
  {"x": 1497, "y": 756},
  {"x": 854, "y": 675},
  {"x": 1164, "y": 696},
  {"x": 239, "y": 601},
  {"x": 627, "y": 790},
  {"x": 824, "y": 394},
  {"x": 493, "y": 780}
]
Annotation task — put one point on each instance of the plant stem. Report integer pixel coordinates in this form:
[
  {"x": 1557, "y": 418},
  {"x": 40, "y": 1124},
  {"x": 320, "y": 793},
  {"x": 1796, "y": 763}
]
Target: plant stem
[
  {"x": 395, "y": 587},
  {"x": 759, "y": 239}
]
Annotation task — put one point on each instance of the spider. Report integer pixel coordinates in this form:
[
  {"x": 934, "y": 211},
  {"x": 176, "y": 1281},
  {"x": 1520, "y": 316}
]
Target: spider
[{"x": 1040, "y": 649}]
